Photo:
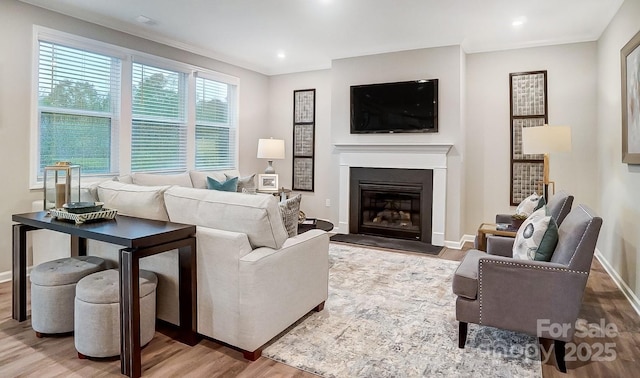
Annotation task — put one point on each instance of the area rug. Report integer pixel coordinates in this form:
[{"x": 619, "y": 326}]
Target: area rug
[
  {"x": 388, "y": 243},
  {"x": 393, "y": 315}
]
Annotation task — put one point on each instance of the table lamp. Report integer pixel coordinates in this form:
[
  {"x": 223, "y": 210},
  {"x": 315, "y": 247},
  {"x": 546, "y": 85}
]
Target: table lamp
[
  {"x": 544, "y": 140},
  {"x": 270, "y": 149}
]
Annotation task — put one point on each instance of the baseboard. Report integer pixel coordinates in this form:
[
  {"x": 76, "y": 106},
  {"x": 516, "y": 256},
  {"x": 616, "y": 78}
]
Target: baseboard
[
  {"x": 459, "y": 244},
  {"x": 7, "y": 276},
  {"x": 626, "y": 290}
]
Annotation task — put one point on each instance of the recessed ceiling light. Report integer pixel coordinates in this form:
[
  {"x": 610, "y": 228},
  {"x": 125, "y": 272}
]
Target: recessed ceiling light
[
  {"x": 145, "y": 20},
  {"x": 519, "y": 21},
  {"x": 281, "y": 55}
]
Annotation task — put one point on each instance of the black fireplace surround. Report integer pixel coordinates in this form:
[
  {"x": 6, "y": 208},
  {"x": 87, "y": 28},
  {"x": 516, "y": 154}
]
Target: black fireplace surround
[{"x": 391, "y": 202}]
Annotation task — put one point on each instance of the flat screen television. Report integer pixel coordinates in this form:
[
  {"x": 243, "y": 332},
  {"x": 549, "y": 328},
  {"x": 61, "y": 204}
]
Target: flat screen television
[{"x": 403, "y": 107}]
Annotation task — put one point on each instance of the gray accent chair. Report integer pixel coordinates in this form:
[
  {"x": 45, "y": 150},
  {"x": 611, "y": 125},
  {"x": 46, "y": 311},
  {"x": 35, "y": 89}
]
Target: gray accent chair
[
  {"x": 559, "y": 206},
  {"x": 496, "y": 290}
]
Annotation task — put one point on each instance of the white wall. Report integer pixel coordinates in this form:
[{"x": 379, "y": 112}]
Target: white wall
[
  {"x": 618, "y": 184},
  {"x": 281, "y": 89},
  {"x": 444, "y": 64},
  {"x": 571, "y": 81},
  {"x": 16, "y": 28}
]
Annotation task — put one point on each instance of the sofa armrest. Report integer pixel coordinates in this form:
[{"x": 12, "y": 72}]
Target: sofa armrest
[
  {"x": 521, "y": 295},
  {"x": 278, "y": 287},
  {"x": 218, "y": 256},
  {"x": 500, "y": 245}
]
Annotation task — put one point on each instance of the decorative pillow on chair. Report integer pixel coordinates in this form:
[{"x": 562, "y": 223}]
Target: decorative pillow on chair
[
  {"x": 230, "y": 185},
  {"x": 537, "y": 237},
  {"x": 290, "y": 212},
  {"x": 247, "y": 183},
  {"x": 530, "y": 204}
]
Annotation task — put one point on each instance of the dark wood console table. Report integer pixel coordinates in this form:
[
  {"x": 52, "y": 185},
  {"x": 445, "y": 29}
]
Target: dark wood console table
[{"x": 141, "y": 238}]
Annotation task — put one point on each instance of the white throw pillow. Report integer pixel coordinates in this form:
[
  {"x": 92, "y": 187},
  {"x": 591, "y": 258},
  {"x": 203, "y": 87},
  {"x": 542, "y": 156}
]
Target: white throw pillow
[
  {"x": 536, "y": 239},
  {"x": 134, "y": 200},
  {"x": 529, "y": 205}
]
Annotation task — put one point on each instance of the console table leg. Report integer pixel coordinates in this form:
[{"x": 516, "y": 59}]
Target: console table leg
[
  {"x": 130, "y": 356},
  {"x": 19, "y": 273},
  {"x": 188, "y": 293}
]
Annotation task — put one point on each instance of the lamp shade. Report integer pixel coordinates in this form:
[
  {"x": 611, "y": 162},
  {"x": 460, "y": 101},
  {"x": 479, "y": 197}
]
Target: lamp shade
[
  {"x": 271, "y": 149},
  {"x": 546, "y": 139}
]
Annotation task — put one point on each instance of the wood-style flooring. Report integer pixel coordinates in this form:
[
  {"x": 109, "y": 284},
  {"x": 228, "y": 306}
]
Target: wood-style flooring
[{"x": 24, "y": 355}]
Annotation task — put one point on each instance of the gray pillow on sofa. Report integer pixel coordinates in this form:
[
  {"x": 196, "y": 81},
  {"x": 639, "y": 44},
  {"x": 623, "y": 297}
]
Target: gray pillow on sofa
[
  {"x": 290, "y": 210},
  {"x": 248, "y": 183}
]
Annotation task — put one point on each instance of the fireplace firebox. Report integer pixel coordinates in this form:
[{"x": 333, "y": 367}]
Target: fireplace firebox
[{"x": 391, "y": 202}]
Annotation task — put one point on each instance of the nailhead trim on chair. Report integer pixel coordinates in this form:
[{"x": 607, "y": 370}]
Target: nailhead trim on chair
[{"x": 516, "y": 264}]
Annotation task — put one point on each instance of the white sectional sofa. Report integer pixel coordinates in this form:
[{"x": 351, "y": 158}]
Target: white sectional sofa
[{"x": 254, "y": 280}]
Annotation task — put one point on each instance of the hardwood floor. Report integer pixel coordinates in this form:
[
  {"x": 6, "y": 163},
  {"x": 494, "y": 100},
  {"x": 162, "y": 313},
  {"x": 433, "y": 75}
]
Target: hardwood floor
[{"x": 22, "y": 354}]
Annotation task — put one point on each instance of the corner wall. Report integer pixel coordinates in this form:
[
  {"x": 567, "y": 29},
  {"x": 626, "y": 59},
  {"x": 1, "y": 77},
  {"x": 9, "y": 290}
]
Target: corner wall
[
  {"x": 618, "y": 184},
  {"x": 571, "y": 81}
]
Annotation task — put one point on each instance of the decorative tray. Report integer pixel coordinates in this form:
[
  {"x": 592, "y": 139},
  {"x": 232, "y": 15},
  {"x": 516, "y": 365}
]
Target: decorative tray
[{"x": 81, "y": 218}]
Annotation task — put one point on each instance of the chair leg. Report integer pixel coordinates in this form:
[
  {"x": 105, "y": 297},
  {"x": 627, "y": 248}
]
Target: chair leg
[
  {"x": 559, "y": 350},
  {"x": 462, "y": 334}
]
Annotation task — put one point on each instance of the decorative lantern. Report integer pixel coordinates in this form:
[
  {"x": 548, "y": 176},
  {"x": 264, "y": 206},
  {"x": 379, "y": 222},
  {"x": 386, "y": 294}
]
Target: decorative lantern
[{"x": 61, "y": 184}]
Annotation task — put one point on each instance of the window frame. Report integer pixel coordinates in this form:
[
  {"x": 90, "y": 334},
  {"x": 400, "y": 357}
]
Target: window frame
[{"x": 121, "y": 152}]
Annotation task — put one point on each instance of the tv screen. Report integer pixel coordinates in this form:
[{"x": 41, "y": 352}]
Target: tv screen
[{"x": 404, "y": 107}]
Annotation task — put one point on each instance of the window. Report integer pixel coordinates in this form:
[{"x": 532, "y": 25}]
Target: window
[
  {"x": 215, "y": 124},
  {"x": 77, "y": 107},
  {"x": 158, "y": 127},
  {"x": 114, "y": 111}
]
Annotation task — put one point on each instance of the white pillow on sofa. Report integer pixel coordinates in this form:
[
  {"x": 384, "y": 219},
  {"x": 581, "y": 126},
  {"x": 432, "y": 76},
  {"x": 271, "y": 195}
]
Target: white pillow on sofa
[
  {"x": 157, "y": 179},
  {"x": 134, "y": 200}
]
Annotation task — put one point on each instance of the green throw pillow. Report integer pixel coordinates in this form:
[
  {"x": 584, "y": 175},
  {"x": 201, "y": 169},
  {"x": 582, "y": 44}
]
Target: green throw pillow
[
  {"x": 537, "y": 237},
  {"x": 227, "y": 186}
]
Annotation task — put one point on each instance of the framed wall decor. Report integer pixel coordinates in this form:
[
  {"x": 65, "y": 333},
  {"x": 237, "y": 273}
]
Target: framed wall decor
[
  {"x": 528, "y": 108},
  {"x": 304, "y": 116},
  {"x": 630, "y": 68},
  {"x": 267, "y": 181}
]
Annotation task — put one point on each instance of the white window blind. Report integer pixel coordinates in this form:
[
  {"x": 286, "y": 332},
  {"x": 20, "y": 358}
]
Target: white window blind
[
  {"x": 78, "y": 109},
  {"x": 215, "y": 124},
  {"x": 158, "y": 128}
]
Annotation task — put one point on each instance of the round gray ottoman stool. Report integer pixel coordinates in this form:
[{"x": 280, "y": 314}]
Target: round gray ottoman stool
[
  {"x": 97, "y": 317},
  {"x": 53, "y": 289}
]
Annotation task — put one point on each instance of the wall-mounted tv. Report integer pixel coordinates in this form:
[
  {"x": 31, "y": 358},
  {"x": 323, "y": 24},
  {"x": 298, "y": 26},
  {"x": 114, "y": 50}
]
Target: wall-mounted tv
[{"x": 403, "y": 107}]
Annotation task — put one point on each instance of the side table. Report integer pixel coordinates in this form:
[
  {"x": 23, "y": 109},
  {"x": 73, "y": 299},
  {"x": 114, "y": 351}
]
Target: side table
[
  {"x": 490, "y": 229},
  {"x": 319, "y": 224}
]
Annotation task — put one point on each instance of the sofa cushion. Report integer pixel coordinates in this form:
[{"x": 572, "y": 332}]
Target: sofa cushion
[
  {"x": 537, "y": 237},
  {"x": 134, "y": 200},
  {"x": 290, "y": 211},
  {"x": 530, "y": 204},
  {"x": 199, "y": 178},
  {"x": 245, "y": 184},
  {"x": 230, "y": 185},
  {"x": 256, "y": 216},
  {"x": 156, "y": 179}
]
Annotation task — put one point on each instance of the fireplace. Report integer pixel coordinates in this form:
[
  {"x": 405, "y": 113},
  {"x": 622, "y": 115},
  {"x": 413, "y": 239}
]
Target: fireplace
[
  {"x": 391, "y": 202},
  {"x": 431, "y": 156}
]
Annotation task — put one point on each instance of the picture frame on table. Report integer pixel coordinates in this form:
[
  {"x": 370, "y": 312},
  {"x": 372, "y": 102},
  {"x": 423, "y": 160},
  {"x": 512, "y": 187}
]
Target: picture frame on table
[
  {"x": 630, "y": 70},
  {"x": 268, "y": 181}
]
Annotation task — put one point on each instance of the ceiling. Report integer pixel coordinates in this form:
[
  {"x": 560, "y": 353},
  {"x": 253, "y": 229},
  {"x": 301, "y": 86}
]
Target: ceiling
[{"x": 311, "y": 33}]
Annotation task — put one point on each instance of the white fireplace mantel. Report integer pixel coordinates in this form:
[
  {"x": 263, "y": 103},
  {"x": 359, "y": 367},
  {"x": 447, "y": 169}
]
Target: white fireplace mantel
[{"x": 396, "y": 155}]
